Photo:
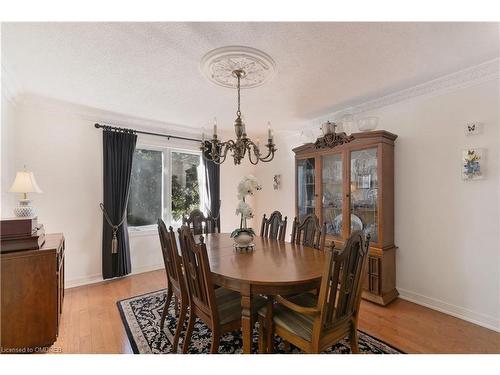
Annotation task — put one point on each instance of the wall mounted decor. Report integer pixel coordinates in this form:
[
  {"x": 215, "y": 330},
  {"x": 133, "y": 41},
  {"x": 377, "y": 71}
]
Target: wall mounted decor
[
  {"x": 473, "y": 128},
  {"x": 276, "y": 181},
  {"x": 473, "y": 164}
]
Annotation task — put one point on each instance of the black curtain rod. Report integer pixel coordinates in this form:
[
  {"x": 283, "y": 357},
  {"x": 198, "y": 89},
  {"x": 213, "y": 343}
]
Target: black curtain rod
[{"x": 109, "y": 127}]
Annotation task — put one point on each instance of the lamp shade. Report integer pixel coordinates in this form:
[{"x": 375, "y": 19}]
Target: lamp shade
[{"x": 25, "y": 183}]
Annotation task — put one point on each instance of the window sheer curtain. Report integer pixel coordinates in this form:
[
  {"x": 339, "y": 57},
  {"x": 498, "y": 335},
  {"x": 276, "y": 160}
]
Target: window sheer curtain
[
  {"x": 118, "y": 152},
  {"x": 212, "y": 181}
]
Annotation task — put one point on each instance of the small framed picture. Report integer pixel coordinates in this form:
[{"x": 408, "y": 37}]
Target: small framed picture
[
  {"x": 473, "y": 128},
  {"x": 473, "y": 164}
]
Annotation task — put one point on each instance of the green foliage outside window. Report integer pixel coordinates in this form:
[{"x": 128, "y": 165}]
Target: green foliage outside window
[
  {"x": 185, "y": 198},
  {"x": 185, "y": 194}
]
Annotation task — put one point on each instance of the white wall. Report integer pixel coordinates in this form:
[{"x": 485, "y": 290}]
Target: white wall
[
  {"x": 283, "y": 164},
  {"x": 7, "y": 152},
  {"x": 64, "y": 152},
  {"x": 59, "y": 143},
  {"x": 447, "y": 230}
]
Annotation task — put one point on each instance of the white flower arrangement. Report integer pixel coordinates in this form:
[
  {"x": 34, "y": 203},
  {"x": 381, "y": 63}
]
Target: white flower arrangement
[
  {"x": 244, "y": 210},
  {"x": 247, "y": 186}
]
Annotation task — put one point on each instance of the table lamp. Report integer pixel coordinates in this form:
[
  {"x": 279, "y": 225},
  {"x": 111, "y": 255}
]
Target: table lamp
[{"x": 25, "y": 183}]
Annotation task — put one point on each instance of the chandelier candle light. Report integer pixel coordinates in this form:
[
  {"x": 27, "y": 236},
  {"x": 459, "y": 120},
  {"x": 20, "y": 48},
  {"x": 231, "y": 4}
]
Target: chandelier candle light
[{"x": 217, "y": 150}]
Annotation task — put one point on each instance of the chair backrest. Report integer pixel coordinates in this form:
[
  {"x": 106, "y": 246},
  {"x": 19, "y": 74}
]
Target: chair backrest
[
  {"x": 274, "y": 227},
  {"x": 171, "y": 257},
  {"x": 309, "y": 232},
  {"x": 198, "y": 277},
  {"x": 199, "y": 223},
  {"x": 341, "y": 284}
]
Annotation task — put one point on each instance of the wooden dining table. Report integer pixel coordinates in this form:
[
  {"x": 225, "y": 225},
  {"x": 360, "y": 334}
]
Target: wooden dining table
[{"x": 272, "y": 268}]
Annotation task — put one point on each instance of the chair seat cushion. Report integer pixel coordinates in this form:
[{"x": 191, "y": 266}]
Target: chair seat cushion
[
  {"x": 229, "y": 304},
  {"x": 298, "y": 324}
]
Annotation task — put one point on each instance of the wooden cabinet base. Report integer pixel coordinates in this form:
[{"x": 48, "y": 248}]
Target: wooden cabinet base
[
  {"x": 32, "y": 293},
  {"x": 380, "y": 282},
  {"x": 383, "y": 299}
]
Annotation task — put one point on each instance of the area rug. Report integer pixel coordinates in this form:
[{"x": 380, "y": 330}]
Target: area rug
[{"x": 141, "y": 317}]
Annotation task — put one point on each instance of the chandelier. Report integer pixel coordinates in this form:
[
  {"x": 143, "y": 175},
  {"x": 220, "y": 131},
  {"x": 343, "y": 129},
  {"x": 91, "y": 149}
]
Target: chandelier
[{"x": 216, "y": 150}]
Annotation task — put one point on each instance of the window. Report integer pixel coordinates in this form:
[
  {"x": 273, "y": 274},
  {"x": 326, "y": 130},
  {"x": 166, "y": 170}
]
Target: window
[
  {"x": 185, "y": 184},
  {"x": 145, "y": 200},
  {"x": 166, "y": 183}
]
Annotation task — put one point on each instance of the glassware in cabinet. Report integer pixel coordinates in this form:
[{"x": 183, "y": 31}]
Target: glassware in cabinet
[
  {"x": 332, "y": 193},
  {"x": 364, "y": 191},
  {"x": 306, "y": 185}
]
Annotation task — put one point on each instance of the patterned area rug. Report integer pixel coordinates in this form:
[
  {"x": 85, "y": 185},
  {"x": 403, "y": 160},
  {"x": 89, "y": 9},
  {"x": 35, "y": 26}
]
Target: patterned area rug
[{"x": 141, "y": 316}]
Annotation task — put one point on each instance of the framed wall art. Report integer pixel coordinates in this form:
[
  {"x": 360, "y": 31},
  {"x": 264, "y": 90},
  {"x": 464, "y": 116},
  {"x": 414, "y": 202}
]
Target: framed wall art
[{"x": 473, "y": 164}]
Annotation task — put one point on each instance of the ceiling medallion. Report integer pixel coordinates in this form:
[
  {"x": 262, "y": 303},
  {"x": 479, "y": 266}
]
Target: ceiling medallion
[
  {"x": 230, "y": 67},
  {"x": 219, "y": 64}
]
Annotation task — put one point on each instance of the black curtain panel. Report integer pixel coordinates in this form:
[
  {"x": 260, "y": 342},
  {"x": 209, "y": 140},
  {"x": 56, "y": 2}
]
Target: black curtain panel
[
  {"x": 118, "y": 152},
  {"x": 212, "y": 178}
]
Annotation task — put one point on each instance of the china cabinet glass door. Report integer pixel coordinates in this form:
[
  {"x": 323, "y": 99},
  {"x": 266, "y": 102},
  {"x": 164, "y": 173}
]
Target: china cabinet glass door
[
  {"x": 333, "y": 195},
  {"x": 364, "y": 189},
  {"x": 306, "y": 201}
]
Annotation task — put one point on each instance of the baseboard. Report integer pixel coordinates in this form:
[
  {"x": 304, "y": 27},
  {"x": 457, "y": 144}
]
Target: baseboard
[
  {"x": 83, "y": 281},
  {"x": 153, "y": 267},
  {"x": 482, "y": 320},
  {"x": 92, "y": 279}
]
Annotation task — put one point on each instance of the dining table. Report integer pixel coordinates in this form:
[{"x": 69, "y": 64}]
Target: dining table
[{"x": 272, "y": 268}]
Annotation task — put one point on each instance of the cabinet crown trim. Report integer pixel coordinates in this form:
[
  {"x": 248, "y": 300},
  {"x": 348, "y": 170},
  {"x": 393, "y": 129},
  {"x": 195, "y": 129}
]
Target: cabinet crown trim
[{"x": 353, "y": 139}]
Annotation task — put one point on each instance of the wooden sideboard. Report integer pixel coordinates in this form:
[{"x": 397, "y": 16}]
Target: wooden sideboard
[
  {"x": 349, "y": 185},
  {"x": 32, "y": 294}
]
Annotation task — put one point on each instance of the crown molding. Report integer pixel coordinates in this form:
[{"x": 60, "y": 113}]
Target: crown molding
[
  {"x": 104, "y": 117},
  {"x": 484, "y": 72}
]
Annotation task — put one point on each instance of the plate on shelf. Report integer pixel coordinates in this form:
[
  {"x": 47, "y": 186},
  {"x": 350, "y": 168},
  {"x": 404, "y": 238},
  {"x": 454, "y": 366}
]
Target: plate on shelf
[{"x": 356, "y": 223}]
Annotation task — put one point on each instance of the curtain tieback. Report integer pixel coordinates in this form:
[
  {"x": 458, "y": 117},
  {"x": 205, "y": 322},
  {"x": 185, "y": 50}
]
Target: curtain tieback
[{"x": 114, "y": 228}]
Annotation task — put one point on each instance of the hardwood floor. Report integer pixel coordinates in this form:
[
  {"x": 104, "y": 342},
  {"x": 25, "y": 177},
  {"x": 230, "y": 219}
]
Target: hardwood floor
[{"x": 91, "y": 322}]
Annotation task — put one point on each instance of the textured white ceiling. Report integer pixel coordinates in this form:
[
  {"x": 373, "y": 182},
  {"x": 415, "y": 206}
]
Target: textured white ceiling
[{"x": 151, "y": 70}]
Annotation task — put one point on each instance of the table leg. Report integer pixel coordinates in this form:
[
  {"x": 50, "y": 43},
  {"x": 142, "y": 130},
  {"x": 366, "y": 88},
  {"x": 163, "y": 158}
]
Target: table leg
[
  {"x": 269, "y": 325},
  {"x": 246, "y": 319}
]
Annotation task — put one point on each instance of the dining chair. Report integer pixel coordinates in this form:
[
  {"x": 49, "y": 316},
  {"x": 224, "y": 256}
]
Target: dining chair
[
  {"x": 312, "y": 322},
  {"x": 219, "y": 309},
  {"x": 308, "y": 232},
  {"x": 175, "y": 279},
  {"x": 274, "y": 227},
  {"x": 199, "y": 223}
]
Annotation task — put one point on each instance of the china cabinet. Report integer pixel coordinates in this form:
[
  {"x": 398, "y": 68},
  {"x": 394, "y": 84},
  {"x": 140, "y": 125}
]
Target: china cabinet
[{"x": 348, "y": 182}]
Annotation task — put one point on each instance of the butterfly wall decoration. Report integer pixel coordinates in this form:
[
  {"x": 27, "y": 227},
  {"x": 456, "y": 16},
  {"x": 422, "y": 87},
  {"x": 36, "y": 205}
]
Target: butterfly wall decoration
[{"x": 472, "y": 128}]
